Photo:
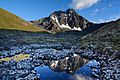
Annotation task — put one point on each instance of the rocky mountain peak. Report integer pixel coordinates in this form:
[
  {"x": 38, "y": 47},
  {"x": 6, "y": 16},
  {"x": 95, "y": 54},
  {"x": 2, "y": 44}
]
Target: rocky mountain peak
[
  {"x": 70, "y": 10},
  {"x": 64, "y": 21}
]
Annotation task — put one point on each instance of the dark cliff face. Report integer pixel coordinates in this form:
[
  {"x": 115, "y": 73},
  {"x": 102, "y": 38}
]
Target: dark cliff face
[{"x": 63, "y": 21}]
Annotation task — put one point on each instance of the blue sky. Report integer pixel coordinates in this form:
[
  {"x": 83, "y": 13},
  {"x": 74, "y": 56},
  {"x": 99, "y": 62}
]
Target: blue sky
[{"x": 93, "y": 10}]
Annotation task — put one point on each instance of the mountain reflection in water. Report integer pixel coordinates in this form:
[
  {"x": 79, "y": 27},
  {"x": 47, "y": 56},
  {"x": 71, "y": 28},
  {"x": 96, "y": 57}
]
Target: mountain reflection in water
[{"x": 65, "y": 69}]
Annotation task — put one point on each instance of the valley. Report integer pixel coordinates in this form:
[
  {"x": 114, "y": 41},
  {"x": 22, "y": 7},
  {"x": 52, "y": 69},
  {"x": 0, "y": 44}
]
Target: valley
[
  {"x": 45, "y": 47},
  {"x": 85, "y": 51}
]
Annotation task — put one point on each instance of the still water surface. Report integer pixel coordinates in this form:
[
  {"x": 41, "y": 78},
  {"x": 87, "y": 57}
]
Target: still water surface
[{"x": 73, "y": 68}]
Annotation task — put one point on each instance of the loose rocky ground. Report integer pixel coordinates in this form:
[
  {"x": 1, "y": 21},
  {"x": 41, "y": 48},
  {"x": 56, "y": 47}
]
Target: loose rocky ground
[
  {"x": 24, "y": 69},
  {"x": 43, "y": 46}
]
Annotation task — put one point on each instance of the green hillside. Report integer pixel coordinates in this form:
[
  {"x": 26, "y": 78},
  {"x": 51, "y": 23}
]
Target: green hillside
[
  {"x": 107, "y": 37},
  {"x": 11, "y": 21}
]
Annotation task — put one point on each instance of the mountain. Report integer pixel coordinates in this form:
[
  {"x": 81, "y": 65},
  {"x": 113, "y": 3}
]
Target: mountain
[
  {"x": 111, "y": 28},
  {"x": 106, "y": 37},
  {"x": 63, "y": 21},
  {"x": 13, "y": 22}
]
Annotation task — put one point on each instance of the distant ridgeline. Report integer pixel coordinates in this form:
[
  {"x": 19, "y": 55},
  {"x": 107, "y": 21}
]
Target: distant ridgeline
[{"x": 13, "y": 22}]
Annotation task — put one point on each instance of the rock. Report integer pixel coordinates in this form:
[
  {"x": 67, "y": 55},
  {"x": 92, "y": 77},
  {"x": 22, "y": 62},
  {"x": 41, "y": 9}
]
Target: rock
[
  {"x": 110, "y": 70},
  {"x": 20, "y": 79},
  {"x": 31, "y": 77},
  {"x": 115, "y": 55},
  {"x": 11, "y": 72},
  {"x": 36, "y": 63},
  {"x": 95, "y": 74},
  {"x": 21, "y": 73},
  {"x": 23, "y": 65},
  {"x": 1, "y": 65},
  {"x": 88, "y": 53}
]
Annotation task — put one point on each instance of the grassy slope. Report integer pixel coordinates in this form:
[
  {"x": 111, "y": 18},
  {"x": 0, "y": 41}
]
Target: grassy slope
[
  {"x": 11, "y": 21},
  {"x": 106, "y": 36}
]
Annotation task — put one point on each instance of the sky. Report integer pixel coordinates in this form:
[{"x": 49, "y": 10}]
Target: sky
[{"x": 93, "y": 10}]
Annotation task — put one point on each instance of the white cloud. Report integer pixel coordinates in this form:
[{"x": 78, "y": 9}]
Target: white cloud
[
  {"x": 104, "y": 8},
  {"x": 109, "y": 5},
  {"x": 115, "y": 17},
  {"x": 81, "y": 4},
  {"x": 101, "y": 21},
  {"x": 108, "y": 20},
  {"x": 95, "y": 11}
]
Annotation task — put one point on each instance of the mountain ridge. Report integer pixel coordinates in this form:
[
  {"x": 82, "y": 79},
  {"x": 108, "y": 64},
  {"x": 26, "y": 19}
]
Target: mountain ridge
[
  {"x": 12, "y": 22},
  {"x": 106, "y": 37},
  {"x": 61, "y": 21}
]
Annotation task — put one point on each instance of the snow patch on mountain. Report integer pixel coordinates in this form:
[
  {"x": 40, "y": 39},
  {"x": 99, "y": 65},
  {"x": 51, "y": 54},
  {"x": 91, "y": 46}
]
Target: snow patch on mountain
[
  {"x": 54, "y": 18},
  {"x": 65, "y": 26},
  {"x": 75, "y": 28}
]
